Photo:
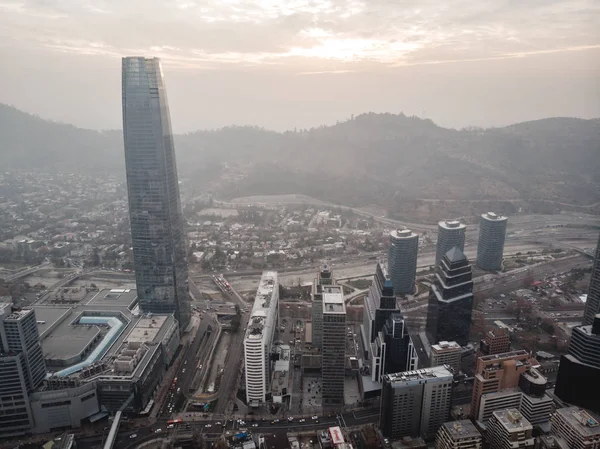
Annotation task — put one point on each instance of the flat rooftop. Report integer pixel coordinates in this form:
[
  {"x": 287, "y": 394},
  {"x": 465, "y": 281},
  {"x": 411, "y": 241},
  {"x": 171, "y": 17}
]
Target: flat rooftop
[
  {"x": 462, "y": 429},
  {"x": 333, "y": 301},
  {"x": 492, "y": 216},
  {"x": 264, "y": 309},
  {"x": 583, "y": 422},
  {"x": 403, "y": 234},
  {"x": 147, "y": 329},
  {"x": 512, "y": 419},
  {"x": 443, "y": 346},
  {"x": 419, "y": 375},
  {"x": 451, "y": 224},
  {"x": 56, "y": 321},
  {"x": 69, "y": 342}
]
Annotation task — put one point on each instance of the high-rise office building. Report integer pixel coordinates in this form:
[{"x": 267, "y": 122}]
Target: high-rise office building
[
  {"x": 402, "y": 260},
  {"x": 451, "y": 233},
  {"x": 578, "y": 373},
  {"x": 157, "y": 235},
  {"x": 446, "y": 353},
  {"x": 580, "y": 429},
  {"x": 415, "y": 403},
  {"x": 324, "y": 277},
  {"x": 495, "y": 341},
  {"x": 19, "y": 333},
  {"x": 490, "y": 248},
  {"x": 458, "y": 435},
  {"x": 592, "y": 304},
  {"x": 334, "y": 347},
  {"x": 497, "y": 372},
  {"x": 22, "y": 368},
  {"x": 529, "y": 398},
  {"x": 259, "y": 339},
  {"x": 509, "y": 429},
  {"x": 380, "y": 303},
  {"x": 393, "y": 350},
  {"x": 451, "y": 300}
]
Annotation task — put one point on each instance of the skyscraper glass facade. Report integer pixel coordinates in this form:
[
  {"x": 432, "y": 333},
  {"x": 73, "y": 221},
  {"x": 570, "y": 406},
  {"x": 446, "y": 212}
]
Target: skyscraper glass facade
[{"x": 154, "y": 205}]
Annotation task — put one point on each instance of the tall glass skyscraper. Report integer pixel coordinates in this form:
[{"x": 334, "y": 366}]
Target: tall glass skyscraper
[{"x": 159, "y": 255}]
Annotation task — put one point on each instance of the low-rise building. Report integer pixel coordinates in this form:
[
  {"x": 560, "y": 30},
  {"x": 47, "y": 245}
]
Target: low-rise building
[
  {"x": 458, "y": 435},
  {"x": 508, "y": 429},
  {"x": 580, "y": 429}
]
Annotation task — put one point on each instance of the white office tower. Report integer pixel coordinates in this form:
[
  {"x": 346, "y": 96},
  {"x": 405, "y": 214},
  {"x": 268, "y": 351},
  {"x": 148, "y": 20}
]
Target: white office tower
[
  {"x": 451, "y": 233},
  {"x": 508, "y": 429},
  {"x": 259, "y": 338},
  {"x": 22, "y": 368},
  {"x": 333, "y": 347},
  {"x": 458, "y": 435},
  {"x": 490, "y": 248},
  {"x": 324, "y": 277},
  {"x": 580, "y": 429},
  {"x": 447, "y": 353},
  {"x": 415, "y": 403},
  {"x": 402, "y": 260}
]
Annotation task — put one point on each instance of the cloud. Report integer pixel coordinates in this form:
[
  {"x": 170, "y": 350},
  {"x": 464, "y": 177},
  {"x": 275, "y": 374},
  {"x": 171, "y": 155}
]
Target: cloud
[{"x": 302, "y": 34}]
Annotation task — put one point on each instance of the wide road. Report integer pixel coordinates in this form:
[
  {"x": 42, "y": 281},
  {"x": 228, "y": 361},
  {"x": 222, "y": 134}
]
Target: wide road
[
  {"x": 234, "y": 359},
  {"x": 214, "y": 427},
  {"x": 179, "y": 389}
]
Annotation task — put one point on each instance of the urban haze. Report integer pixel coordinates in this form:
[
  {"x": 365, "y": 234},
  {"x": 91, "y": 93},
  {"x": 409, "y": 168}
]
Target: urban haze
[{"x": 259, "y": 224}]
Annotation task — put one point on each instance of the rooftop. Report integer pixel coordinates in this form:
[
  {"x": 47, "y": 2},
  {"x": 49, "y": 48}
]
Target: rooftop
[
  {"x": 583, "y": 422},
  {"x": 451, "y": 224},
  {"x": 57, "y": 322},
  {"x": 445, "y": 346},
  {"x": 492, "y": 216},
  {"x": 333, "y": 302},
  {"x": 455, "y": 255},
  {"x": 521, "y": 353},
  {"x": 512, "y": 419},
  {"x": 264, "y": 308},
  {"x": 69, "y": 342},
  {"x": 434, "y": 373},
  {"x": 402, "y": 234},
  {"x": 461, "y": 429}
]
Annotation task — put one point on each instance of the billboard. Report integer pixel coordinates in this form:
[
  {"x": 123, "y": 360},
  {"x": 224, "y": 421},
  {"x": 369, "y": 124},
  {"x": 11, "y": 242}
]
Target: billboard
[{"x": 336, "y": 435}]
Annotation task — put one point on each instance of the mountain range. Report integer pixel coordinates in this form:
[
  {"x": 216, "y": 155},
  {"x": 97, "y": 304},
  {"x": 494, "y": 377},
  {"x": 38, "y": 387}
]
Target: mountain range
[{"x": 389, "y": 160}]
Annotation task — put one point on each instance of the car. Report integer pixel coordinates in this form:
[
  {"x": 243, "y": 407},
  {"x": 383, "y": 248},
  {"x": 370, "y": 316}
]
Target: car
[
  {"x": 276, "y": 420},
  {"x": 183, "y": 371},
  {"x": 291, "y": 418},
  {"x": 316, "y": 421},
  {"x": 315, "y": 417},
  {"x": 170, "y": 426},
  {"x": 158, "y": 431},
  {"x": 302, "y": 420},
  {"x": 255, "y": 425},
  {"x": 132, "y": 436},
  {"x": 272, "y": 422},
  {"x": 218, "y": 423},
  {"x": 208, "y": 426}
]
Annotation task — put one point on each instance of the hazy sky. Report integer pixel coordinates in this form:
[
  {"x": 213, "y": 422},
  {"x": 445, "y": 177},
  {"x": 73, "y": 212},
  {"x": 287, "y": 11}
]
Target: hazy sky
[{"x": 300, "y": 63}]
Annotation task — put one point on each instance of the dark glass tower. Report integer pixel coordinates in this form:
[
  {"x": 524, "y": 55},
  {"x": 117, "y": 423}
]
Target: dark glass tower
[
  {"x": 159, "y": 255},
  {"x": 592, "y": 305},
  {"x": 579, "y": 371},
  {"x": 451, "y": 300}
]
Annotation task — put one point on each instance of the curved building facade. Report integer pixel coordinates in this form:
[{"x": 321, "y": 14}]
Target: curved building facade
[
  {"x": 402, "y": 260},
  {"x": 451, "y": 233},
  {"x": 159, "y": 256},
  {"x": 259, "y": 338},
  {"x": 490, "y": 248}
]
